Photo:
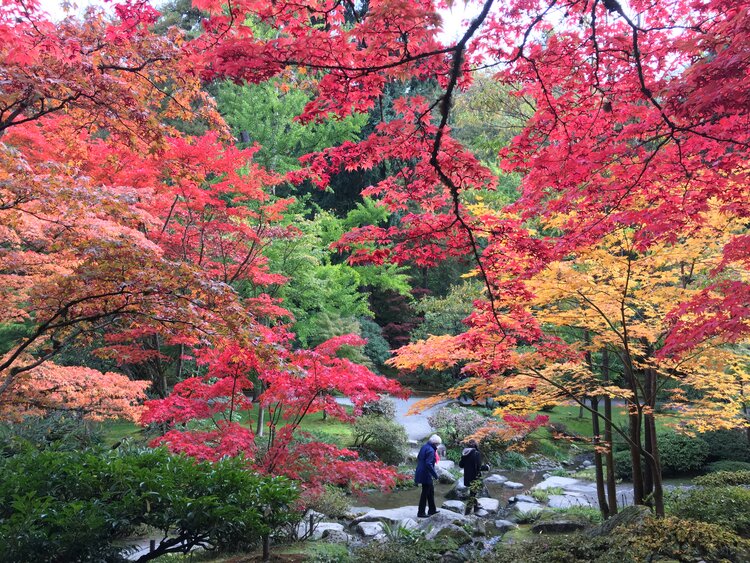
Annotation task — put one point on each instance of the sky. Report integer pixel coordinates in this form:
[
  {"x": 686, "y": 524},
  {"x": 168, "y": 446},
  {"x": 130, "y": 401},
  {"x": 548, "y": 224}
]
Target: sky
[{"x": 452, "y": 18}]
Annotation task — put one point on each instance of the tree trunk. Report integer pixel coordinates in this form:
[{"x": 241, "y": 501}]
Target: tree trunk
[
  {"x": 600, "y": 492},
  {"x": 610, "y": 455},
  {"x": 266, "y": 548},
  {"x": 655, "y": 463}
]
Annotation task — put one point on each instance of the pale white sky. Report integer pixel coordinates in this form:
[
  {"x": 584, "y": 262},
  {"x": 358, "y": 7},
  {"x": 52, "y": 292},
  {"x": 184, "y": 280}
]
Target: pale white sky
[{"x": 452, "y": 19}]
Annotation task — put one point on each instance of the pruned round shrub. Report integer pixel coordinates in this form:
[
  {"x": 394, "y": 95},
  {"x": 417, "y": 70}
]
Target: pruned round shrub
[
  {"x": 381, "y": 438},
  {"x": 70, "y": 506},
  {"x": 680, "y": 453},
  {"x": 731, "y": 445},
  {"x": 725, "y": 506},
  {"x": 723, "y": 479},
  {"x": 727, "y": 466},
  {"x": 454, "y": 424},
  {"x": 384, "y": 407}
]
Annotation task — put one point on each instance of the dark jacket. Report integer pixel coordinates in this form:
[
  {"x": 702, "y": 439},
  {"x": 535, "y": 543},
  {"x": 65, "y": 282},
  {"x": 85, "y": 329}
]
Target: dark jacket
[
  {"x": 425, "y": 465},
  {"x": 471, "y": 462}
]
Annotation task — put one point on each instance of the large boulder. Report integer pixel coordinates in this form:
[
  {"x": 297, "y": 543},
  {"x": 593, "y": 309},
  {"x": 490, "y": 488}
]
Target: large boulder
[
  {"x": 559, "y": 525},
  {"x": 499, "y": 527},
  {"x": 454, "y": 506},
  {"x": 392, "y": 516},
  {"x": 450, "y": 531},
  {"x": 446, "y": 464},
  {"x": 556, "y": 482},
  {"x": 523, "y": 510},
  {"x": 444, "y": 475}
]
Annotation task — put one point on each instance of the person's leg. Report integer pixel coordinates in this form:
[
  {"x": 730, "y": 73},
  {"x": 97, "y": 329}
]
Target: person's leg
[
  {"x": 431, "y": 498},
  {"x": 422, "y": 502}
]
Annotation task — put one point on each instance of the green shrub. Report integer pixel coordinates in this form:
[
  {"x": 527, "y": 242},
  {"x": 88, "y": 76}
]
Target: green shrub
[
  {"x": 728, "y": 445},
  {"x": 724, "y": 506},
  {"x": 331, "y": 501},
  {"x": 381, "y": 438},
  {"x": 655, "y": 539},
  {"x": 62, "y": 432},
  {"x": 728, "y": 466},
  {"x": 624, "y": 465},
  {"x": 724, "y": 478},
  {"x": 513, "y": 460},
  {"x": 405, "y": 548},
  {"x": 681, "y": 453},
  {"x": 70, "y": 506},
  {"x": 328, "y": 553}
]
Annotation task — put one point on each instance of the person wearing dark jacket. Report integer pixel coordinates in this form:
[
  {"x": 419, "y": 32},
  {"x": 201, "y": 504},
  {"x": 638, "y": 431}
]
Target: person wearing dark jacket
[
  {"x": 471, "y": 463},
  {"x": 424, "y": 475}
]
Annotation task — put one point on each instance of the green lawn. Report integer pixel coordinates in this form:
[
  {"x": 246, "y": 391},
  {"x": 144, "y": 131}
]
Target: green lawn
[{"x": 331, "y": 429}]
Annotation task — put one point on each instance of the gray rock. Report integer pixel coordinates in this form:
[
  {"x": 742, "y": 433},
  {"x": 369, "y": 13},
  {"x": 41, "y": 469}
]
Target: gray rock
[
  {"x": 323, "y": 527},
  {"x": 491, "y": 505},
  {"x": 446, "y": 464},
  {"x": 499, "y": 527},
  {"x": 566, "y": 501},
  {"x": 461, "y": 492},
  {"x": 445, "y": 476},
  {"x": 451, "y": 531},
  {"x": 409, "y": 524},
  {"x": 453, "y": 557},
  {"x": 495, "y": 479},
  {"x": 558, "y": 526},
  {"x": 454, "y": 506},
  {"x": 524, "y": 498},
  {"x": 443, "y": 518},
  {"x": 392, "y": 515},
  {"x": 413, "y": 443},
  {"x": 587, "y": 463},
  {"x": 524, "y": 509},
  {"x": 334, "y": 536},
  {"x": 370, "y": 529},
  {"x": 355, "y": 511},
  {"x": 558, "y": 482},
  {"x": 481, "y": 513},
  {"x": 513, "y": 485}
]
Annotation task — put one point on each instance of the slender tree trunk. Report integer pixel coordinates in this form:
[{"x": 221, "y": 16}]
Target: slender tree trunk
[
  {"x": 610, "y": 456},
  {"x": 600, "y": 492},
  {"x": 260, "y": 425},
  {"x": 266, "y": 548},
  {"x": 654, "y": 461}
]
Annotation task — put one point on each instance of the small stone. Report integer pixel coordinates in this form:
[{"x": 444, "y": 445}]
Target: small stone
[
  {"x": 334, "y": 536},
  {"x": 513, "y": 485},
  {"x": 320, "y": 529},
  {"x": 526, "y": 508},
  {"x": 587, "y": 463},
  {"x": 370, "y": 529},
  {"x": 481, "y": 513},
  {"x": 524, "y": 498},
  {"x": 454, "y": 506}
]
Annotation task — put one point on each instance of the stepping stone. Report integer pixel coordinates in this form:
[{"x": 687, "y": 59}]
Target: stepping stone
[
  {"x": 495, "y": 480},
  {"x": 454, "y": 506},
  {"x": 488, "y": 504},
  {"x": 513, "y": 485},
  {"x": 566, "y": 501},
  {"x": 524, "y": 498},
  {"x": 558, "y": 482}
]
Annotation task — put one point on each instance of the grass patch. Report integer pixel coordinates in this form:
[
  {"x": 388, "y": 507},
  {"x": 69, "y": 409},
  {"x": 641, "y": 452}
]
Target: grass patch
[{"x": 542, "y": 495}]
